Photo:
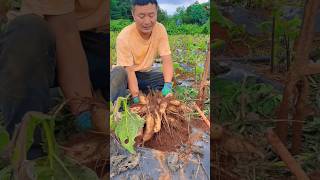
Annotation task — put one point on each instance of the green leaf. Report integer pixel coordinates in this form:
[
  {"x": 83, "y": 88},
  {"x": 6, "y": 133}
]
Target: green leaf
[
  {"x": 33, "y": 120},
  {"x": 5, "y": 173},
  {"x": 79, "y": 172},
  {"x": 128, "y": 127},
  {"x": 218, "y": 44},
  {"x": 4, "y": 139},
  {"x": 177, "y": 66}
]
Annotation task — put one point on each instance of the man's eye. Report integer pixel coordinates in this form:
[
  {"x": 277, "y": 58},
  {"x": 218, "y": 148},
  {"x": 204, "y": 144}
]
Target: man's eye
[
  {"x": 151, "y": 15},
  {"x": 141, "y": 16}
]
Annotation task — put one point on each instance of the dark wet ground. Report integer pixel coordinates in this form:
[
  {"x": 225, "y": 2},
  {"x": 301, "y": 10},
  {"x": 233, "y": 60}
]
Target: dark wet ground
[{"x": 153, "y": 164}]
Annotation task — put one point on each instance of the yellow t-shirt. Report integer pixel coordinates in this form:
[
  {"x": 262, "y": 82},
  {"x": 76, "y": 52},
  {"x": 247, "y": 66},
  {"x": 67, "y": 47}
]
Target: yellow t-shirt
[
  {"x": 90, "y": 14},
  {"x": 132, "y": 49}
]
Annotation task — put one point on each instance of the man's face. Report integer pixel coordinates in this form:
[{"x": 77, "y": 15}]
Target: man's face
[{"x": 145, "y": 17}]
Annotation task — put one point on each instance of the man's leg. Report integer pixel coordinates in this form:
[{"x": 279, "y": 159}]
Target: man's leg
[
  {"x": 152, "y": 80},
  {"x": 97, "y": 48},
  {"x": 27, "y": 68},
  {"x": 118, "y": 83}
]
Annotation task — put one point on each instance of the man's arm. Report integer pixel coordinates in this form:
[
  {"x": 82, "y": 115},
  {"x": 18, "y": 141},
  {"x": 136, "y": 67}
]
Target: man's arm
[
  {"x": 167, "y": 68},
  {"x": 132, "y": 81},
  {"x": 73, "y": 73}
]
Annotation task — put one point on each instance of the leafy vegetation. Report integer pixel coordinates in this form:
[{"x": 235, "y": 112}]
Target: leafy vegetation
[
  {"x": 285, "y": 33},
  {"x": 51, "y": 167},
  {"x": 237, "y": 101},
  {"x": 125, "y": 124},
  {"x": 194, "y": 14},
  {"x": 171, "y": 26},
  {"x": 253, "y": 4}
]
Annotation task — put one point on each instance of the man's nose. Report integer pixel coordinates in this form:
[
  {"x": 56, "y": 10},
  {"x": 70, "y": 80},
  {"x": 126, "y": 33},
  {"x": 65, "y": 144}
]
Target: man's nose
[{"x": 147, "y": 20}]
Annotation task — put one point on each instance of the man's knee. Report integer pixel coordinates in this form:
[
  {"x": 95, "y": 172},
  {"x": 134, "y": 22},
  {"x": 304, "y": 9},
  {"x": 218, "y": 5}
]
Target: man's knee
[
  {"x": 119, "y": 75},
  {"x": 27, "y": 48},
  {"x": 27, "y": 35},
  {"x": 118, "y": 83}
]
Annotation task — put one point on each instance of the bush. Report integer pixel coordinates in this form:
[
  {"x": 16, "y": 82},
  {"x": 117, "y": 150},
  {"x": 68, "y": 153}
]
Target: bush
[
  {"x": 171, "y": 26},
  {"x": 118, "y": 25}
]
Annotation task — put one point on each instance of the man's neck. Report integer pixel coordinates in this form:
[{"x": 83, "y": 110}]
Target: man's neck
[{"x": 145, "y": 36}]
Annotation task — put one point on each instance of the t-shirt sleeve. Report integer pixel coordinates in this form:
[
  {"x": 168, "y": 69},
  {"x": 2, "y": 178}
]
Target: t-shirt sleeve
[
  {"x": 124, "y": 56},
  {"x": 48, "y": 7},
  {"x": 164, "y": 47}
]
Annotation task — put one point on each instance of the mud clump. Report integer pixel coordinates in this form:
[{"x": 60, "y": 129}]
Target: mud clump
[{"x": 166, "y": 127}]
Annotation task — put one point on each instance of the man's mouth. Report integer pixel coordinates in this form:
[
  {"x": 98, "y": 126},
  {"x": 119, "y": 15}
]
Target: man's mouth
[{"x": 147, "y": 28}]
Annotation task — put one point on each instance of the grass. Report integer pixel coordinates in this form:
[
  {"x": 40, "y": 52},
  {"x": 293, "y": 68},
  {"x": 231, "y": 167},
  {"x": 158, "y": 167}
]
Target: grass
[{"x": 189, "y": 50}]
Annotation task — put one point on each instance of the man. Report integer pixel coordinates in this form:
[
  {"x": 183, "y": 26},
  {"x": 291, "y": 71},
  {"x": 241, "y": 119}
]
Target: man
[
  {"x": 54, "y": 43},
  {"x": 137, "y": 47}
]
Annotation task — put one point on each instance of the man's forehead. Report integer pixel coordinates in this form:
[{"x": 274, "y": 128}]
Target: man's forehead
[{"x": 145, "y": 8}]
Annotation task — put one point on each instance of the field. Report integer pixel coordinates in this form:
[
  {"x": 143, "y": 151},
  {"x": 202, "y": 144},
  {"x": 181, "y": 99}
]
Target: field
[
  {"x": 256, "y": 51},
  {"x": 189, "y": 53},
  {"x": 75, "y": 155},
  {"x": 187, "y": 50}
]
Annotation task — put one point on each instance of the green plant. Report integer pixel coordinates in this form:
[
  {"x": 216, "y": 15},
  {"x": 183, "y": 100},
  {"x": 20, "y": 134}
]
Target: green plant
[
  {"x": 248, "y": 96},
  {"x": 50, "y": 167},
  {"x": 125, "y": 124},
  {"x": 285, "y": 34},
  {"x": 218, "y": 18},
  {"x": 185, "y": 93}
]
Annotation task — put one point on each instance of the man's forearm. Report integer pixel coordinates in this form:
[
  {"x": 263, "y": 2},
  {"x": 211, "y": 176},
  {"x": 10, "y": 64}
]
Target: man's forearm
[
  {"x": 132, "y": 82},
  {"x": 167, "y": 68},
  {"x": 73, "y": 73}
]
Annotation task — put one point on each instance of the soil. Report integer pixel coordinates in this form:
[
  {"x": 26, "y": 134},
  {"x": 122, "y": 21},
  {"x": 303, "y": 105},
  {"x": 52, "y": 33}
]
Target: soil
[
  {"x": 314, "y": 175},
  {"x": 198, "y": 123},
  {"x": 221, "y": 163},
  {"x": 175, "y": 129},
  {"x": 237, "y": 49},
  {"x": 265, "y": 71},
  {"x": 168, "y": 141},
  {"x": 220, "y": 32},
  {"x": 89, "y": 149}
]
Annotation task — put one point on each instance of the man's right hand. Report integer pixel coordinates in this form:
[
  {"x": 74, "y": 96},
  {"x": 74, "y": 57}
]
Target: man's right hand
[
  {"x": 167, "y": 89},
  {"x": 136, "y": 100},
  {"x": 84, "y": 121}
]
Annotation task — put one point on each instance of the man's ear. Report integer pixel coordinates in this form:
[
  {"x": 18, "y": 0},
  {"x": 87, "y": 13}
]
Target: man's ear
[{"x": 132, "y": 13}]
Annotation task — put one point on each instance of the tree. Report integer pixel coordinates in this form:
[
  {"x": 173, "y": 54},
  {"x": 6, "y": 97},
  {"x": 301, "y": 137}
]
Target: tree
[
  {"x": 196, "y": 14},
  {"x": 296, "y": 92},
  {"x": 162, "y": 16},
  {"x": 121, "y": 9}
]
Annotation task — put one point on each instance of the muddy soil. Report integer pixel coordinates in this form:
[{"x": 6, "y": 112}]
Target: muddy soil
[
  {"x": 190, "y": 161},
  {"x": 175, "y": 150}
]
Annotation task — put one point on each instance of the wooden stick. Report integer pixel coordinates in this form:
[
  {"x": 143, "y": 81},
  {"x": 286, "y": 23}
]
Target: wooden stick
[
  {"x": 285, "y": 156},
  {"x": 204, "y": 118},
  {"x": 203, "y": 82}
]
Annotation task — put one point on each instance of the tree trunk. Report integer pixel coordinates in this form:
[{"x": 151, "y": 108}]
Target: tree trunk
[{"x": 296, "y": 74}]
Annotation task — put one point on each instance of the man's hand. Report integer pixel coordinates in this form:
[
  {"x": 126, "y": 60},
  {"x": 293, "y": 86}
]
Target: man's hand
[
  {"x": 136, "y": 100},
  {"x": 167, "y": 75},
  {"x": 167, "y": 89},
  {"x": 84, "y": 121}
]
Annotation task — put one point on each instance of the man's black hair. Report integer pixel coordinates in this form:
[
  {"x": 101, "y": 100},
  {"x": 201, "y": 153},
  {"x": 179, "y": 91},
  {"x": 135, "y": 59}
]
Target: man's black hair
[{"x": 144, "y": 2}]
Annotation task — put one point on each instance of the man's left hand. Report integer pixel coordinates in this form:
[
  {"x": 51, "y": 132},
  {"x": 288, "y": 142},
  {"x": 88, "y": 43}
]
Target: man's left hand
[{"x": 167, "y": 89}]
